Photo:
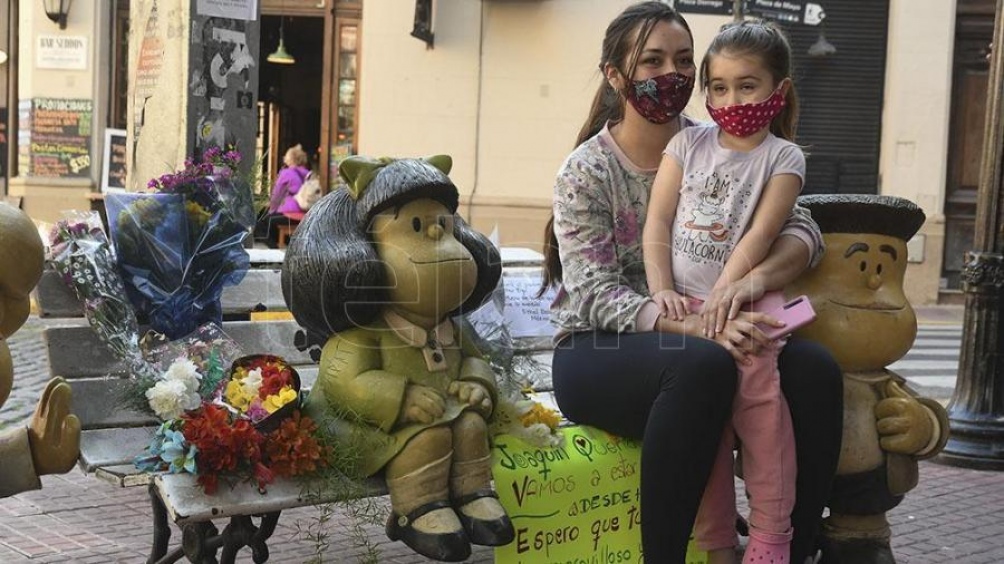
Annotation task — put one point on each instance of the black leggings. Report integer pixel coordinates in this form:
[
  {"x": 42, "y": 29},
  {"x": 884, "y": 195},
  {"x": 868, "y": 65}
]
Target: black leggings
[{"x": 675, "y": 393}]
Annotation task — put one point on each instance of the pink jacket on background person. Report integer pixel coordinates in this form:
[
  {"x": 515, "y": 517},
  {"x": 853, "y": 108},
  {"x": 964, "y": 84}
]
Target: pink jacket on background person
[{"x": 287, "y": 184}]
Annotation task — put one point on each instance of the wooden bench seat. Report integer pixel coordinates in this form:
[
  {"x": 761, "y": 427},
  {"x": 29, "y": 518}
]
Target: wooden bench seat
[{"x": 112, "y": 435}]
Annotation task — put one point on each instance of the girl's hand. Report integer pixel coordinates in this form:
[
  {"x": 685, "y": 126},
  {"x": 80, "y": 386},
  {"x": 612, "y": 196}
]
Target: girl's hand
[
  {"x": 472, "y": 394},
  {"x": 671, "y": 304},
  {"x": 421, "y": 404},
  {"x": 741, "y": 336},
  {"x": 726, "y": 301}
]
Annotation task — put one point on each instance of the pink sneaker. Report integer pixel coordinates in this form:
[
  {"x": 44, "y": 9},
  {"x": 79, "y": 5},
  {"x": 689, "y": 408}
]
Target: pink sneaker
[{"x": 768, "y": 548}]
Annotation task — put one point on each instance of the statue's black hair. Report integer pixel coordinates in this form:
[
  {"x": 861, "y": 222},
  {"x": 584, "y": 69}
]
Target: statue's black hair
[
  {"x": 865, "y": 213},
  {"x": 332, "y": 278}
]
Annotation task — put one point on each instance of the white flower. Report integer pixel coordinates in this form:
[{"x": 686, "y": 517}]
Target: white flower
[
  {"x": 540, "y": 435},
  {"x": 185, "y": 371},
  {"x": 252, "y": 382},
  {"x": 170, "y": 398}
]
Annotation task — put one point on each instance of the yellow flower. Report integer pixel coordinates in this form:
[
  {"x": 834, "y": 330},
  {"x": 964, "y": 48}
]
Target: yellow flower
[
  {"x": 540, "y": 414},
  {"x": 237, "y": 396},
  {"x": 196, "y": 213},
  {"x": 275, "y": 401}
]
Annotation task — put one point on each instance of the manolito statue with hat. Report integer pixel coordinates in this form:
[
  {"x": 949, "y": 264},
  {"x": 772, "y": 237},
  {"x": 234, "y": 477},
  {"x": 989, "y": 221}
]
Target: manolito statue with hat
[
  {"x": 376, "y": 271},
  {"x": 865, "y": 320},
  {"x": 50, "y": 442}
]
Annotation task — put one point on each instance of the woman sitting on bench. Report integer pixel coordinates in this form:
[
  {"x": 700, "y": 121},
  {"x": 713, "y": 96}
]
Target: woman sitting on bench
[
  {"x": 283, "y": 208},
  {"x": 620, "y": 366}
]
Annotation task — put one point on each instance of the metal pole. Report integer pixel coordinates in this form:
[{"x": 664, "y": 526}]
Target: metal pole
[
  {"x": 976, "y": 411},
  {"x": 737, "y": 10}
]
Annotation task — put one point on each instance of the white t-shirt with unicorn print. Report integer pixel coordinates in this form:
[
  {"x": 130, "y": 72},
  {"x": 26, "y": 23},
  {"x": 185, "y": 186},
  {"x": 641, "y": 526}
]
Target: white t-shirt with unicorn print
[{"x": 718, "y": 195}]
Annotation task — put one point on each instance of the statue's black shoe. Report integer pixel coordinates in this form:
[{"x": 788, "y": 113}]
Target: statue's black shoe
[
  {"x": 445, "y": 547},
  {"x": 484, "y": 532}
]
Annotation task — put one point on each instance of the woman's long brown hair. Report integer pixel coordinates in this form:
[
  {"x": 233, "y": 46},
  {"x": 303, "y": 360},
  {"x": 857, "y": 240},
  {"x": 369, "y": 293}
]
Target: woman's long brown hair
[{"x": 620, "y": 50}]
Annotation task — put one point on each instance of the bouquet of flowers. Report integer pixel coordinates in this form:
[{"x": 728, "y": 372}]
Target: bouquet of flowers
[
  {"x": 81, "y": 253},
  {"x": 236, "y": 423},
  {"x": 179, "y": 245}
]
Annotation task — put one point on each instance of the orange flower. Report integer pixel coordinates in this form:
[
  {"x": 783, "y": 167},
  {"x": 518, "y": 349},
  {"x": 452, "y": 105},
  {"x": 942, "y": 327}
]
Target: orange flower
[{"x": 292, "y": 449}]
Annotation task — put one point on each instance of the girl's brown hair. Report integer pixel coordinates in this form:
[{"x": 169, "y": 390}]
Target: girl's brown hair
[
  {"x": 767, "y": 42},
  {"x": 622, "y": 51}
]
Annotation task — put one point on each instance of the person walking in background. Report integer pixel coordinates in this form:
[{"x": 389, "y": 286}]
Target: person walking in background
[
  {"x": 718, "y": 203},
  {"x": 289, "y": 181},
  {"x": 620, "y": 366}
]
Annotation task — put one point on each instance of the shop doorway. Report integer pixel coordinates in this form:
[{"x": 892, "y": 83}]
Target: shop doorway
[
  {"x": 290, "y": 95},
  {"x": 974, "y": 29}
]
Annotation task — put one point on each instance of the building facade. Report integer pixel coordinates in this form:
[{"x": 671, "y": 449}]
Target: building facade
[
  {"x": 503, "y": 86},
  {"x": 506, "y": 86}
]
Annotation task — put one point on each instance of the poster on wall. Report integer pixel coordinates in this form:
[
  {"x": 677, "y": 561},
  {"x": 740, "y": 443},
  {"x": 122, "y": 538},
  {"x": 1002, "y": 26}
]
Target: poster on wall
[
  {"x": 60, "y": 143},
  {"x": 222, "y": 91},
  {"x": 114, "y": 167}
]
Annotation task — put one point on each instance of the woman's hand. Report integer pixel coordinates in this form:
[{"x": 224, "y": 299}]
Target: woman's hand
[
  {"x": 726, "y": 301},
  {"x": 741, "y": 336},
  {"x": 472, "y": 394},
  {"x": 421, "y": 404},
  {"x": 671, "y": 304}
]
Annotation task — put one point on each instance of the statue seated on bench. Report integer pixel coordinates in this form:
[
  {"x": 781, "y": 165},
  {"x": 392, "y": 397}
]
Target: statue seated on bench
[
  {"x": 377, "y": 269},
  {"x": 865, "y": 320},
  {"x": 50, "y": 444}
]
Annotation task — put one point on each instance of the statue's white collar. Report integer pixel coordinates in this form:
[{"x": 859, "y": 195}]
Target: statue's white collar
[{"x": 416, "y": 336}]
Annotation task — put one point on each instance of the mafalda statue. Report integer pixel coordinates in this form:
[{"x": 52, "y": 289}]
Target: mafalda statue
[
  {"x": 50, "y": 443},
  {"x": 377, "y": 268},
  {"x": 865, "y": 320}
]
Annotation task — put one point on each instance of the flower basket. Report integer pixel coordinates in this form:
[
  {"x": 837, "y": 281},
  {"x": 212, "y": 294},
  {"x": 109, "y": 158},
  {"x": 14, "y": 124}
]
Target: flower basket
[{"x": 278, "y": 390}]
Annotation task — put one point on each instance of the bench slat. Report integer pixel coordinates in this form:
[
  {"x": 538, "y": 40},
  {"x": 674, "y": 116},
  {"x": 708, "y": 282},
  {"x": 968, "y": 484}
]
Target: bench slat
[
  {"x": 123, "y": 475},
  {"x": 260, "y": 290},
  {"x": 186, "y": 503},
  {"x": 110, "y": 447},
  {"x": 76, "y": 351},
  {"x": 96, "y": 403}
]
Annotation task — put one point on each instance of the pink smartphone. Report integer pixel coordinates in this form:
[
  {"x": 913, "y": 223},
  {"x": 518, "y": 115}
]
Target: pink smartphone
[{"x": 796, "y": 313}]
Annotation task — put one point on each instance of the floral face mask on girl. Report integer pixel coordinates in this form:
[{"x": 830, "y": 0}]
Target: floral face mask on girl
[
  {"x": 660, "y": 98},
  {"x": 743, "y": 120}
]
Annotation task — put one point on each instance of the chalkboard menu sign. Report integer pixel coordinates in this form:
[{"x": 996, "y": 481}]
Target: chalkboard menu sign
[
  {"x": 113, "y": 171},
  {"x": 60, "y": 142}
]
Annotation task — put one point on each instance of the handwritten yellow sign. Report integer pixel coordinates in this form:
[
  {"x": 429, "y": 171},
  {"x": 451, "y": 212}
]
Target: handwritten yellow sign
[{"x": 574, "y": 504}]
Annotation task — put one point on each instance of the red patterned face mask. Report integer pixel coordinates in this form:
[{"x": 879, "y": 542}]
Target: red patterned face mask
[
  {"x": 743, "y": 120},
  {"x": 660, "y": 98}
]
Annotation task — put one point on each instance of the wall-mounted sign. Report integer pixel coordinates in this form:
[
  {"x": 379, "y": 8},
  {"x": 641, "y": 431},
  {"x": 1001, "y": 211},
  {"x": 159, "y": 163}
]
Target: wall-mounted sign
[
  {"x": 64, "y": 52},
  {"x": 789, "y": 11},
  {"x": 60, "y": 138},
  {"x": 720, "y": 7},
  {"x": 233, "y": 9},
  {"x": 113, "y": 171}
]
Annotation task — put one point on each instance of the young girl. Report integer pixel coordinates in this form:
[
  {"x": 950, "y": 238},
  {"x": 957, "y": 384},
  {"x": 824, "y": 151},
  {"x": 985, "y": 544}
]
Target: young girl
[{"x": 719, "y": 200}]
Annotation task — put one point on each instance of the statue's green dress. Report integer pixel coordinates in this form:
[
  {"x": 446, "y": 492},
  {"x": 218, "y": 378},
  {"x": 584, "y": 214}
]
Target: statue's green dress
[{"x": 363, "y": 374}]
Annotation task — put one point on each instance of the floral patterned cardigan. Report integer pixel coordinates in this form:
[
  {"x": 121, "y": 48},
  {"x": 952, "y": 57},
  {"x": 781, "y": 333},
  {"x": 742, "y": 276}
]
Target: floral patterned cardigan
[{"x": 600, "y": 203}]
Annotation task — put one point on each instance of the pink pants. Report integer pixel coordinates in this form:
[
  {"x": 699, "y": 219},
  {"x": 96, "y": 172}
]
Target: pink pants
[{"x": 761, "y": 421}]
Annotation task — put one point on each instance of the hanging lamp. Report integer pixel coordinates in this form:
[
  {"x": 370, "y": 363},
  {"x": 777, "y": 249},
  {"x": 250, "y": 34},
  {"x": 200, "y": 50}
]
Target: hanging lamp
[{"x": 280, "y": 56}]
